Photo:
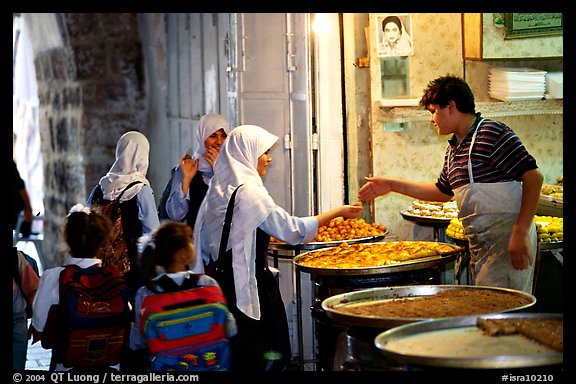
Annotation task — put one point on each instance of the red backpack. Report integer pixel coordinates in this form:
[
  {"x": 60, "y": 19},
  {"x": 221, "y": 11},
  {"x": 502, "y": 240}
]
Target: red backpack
[
  {"x": 117, "y": 253},
  {"x": 185, "y": 326},
  {"x": 93, "y": 317}
]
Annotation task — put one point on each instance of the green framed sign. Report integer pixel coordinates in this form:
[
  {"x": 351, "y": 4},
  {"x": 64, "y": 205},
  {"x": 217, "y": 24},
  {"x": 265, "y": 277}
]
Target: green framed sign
[{"x": 521, "y": 25}]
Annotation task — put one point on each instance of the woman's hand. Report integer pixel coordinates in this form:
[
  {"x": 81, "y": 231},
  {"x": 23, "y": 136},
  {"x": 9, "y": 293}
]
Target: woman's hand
[
  {"x": 352, "y": 211},
  {"x": 347, "y": 211},
  {"x": 210, "y": 154},
  {"x": 189, "y": 168}
]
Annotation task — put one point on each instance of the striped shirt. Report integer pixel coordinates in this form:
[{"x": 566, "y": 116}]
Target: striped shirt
[{"x": 498, "y": 155}]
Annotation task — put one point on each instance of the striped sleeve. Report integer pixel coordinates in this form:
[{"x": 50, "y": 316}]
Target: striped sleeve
[{"x": 511, "y": 156}]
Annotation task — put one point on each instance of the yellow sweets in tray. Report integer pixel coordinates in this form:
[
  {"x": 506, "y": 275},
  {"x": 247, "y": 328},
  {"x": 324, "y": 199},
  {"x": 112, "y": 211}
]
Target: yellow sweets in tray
[
  {"x": 348, "y": 229},
  {"x": 455, "y": 229},
  {"x": 550, "y": 228}
]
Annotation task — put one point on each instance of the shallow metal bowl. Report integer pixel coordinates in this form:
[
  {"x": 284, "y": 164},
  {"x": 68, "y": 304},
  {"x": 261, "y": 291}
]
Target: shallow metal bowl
[
  {"x": 451, "y": 332},
  {"x": 334, "y": 304}
]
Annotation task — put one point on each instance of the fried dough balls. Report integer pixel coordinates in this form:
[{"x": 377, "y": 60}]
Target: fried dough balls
[{"x": 347, "y": 229}]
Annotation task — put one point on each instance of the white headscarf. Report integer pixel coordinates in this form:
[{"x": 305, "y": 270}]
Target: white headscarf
[
  {"x": 236, "y": 165},
  {"x": 209, "y": 123},
  {"x": 132, "y": 156}
]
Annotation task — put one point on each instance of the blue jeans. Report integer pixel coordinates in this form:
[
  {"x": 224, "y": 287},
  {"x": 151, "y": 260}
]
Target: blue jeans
[{"x": 19, "y": 340}]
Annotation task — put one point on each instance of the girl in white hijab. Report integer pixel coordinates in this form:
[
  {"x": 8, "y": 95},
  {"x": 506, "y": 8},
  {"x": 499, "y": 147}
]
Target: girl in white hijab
[
  {"x": 131, "y": 165},
  {"x": 137, "y": 202},
  {"x": 251, "y": 290},
  {"x": 132, "y": 151},
  {"x": 189, "y": 181},
  {"x": 212, "y": 131}
]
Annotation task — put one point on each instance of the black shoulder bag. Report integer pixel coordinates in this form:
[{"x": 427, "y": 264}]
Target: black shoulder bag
[{"x": 216, "y": 269}]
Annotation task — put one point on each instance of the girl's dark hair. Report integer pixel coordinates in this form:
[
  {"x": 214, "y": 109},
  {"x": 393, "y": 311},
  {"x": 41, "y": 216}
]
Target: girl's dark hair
[
  {"x": 168, "y": 238},
  {"x": 443, "y": 89},
  {"x": 87, "y": 235},
  {"x": 392, "y": 19}
]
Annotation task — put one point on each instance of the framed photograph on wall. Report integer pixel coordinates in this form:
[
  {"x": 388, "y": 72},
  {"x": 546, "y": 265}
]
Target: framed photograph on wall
[
  {"x": 393, "y": 35},
  {"x": 521, "y": 25}
]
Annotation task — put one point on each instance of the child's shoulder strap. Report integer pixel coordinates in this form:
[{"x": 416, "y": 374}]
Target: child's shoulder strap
[{"x": 169, "y": 285}]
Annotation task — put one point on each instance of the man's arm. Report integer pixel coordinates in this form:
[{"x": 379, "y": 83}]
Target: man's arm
[{"x": 519, "y": 246}]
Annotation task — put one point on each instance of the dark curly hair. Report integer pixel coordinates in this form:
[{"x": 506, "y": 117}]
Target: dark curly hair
[
  {"x": 169, "y": 238},
  {"x": 87, "y": 235},
  {"x": 443, "y": 89}
]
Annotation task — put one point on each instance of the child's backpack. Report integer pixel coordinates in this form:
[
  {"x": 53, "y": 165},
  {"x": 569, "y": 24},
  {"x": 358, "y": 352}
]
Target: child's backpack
[
  {"x": 185, "y": 326},
  {"x": 93, "y": 318},
  {"x": 117, "y": 253}
]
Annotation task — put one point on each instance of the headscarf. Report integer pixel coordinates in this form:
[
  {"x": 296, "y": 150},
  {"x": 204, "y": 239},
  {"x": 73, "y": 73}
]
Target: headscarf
[
  {"x": 132, "y": 151},
  {"x": 403, "y": 46},
  {"x": 209, "y": 123},
  {"x": 237, "y": 164}
]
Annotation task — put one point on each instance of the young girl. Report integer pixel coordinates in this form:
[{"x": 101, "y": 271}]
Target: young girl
[
  {"x": 252, "y": 292},
  {"x": 167, "y": 252},
  {"x": 86, "y": 234},
  {"x": 137, "y": 203},
  {"x": 189, "y": 181}
]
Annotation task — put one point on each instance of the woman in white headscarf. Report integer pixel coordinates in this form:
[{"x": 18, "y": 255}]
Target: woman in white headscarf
[
  {"x": 189, "y": 181},
  {"x": 127, "y": 179},
  {"x": 395, "y": 40},
  {"x": 240, "y": 266}
]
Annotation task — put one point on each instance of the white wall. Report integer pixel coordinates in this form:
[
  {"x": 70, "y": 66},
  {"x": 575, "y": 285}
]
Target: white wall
[{"x": 329, "y": 114}]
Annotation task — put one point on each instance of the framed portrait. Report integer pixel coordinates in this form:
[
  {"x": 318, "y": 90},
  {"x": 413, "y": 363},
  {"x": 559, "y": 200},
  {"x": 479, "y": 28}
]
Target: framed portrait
[
  {"x": 393, "y": 35},
  {"x": 521, "y": 25}
]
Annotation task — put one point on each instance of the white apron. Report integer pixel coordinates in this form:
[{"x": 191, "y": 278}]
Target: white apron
[{"x": 488, "y": 212}]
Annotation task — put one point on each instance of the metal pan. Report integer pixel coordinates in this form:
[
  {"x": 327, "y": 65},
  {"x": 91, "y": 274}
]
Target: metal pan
[
  {"x": 458, "y": 343},
  {"x": 334, "y": 304},
  {"x": 425, "y": 262},
  {"x": 324, "y": 244},
  {"x": 547, "y": 245},
  {"x": 425, "y": 219},
  {"x": 457, "y": 241}
]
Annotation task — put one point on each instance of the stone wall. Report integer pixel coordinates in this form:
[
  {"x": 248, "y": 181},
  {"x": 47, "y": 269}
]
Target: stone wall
[{"x": 91, "y": 91}]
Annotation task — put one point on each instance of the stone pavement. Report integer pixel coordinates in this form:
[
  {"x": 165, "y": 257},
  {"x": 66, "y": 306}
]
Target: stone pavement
[{"x": 38, "y": 358}]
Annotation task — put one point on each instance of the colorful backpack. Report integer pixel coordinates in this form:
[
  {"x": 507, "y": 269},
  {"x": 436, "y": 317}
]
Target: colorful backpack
[
  {"x": 117, "y": 254},
  {"x": 93, "y": 317},
  {"x": 185, "y": 326}
]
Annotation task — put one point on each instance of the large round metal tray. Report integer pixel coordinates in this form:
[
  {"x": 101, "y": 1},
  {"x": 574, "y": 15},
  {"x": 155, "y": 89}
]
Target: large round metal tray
[
  {"x": 425, "y": 219},
  {"x": 467, "y": 347},
  {"x": 546, "y": 198},
  {"x": 324, "y": 244},
  {"x": 332, "y": 304},
  {"x": 457, "y": 241},
  {"x": 547, "y": 245},
  {"x": 425, "y": 262},
  {"x": 550, "y": 206}
]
